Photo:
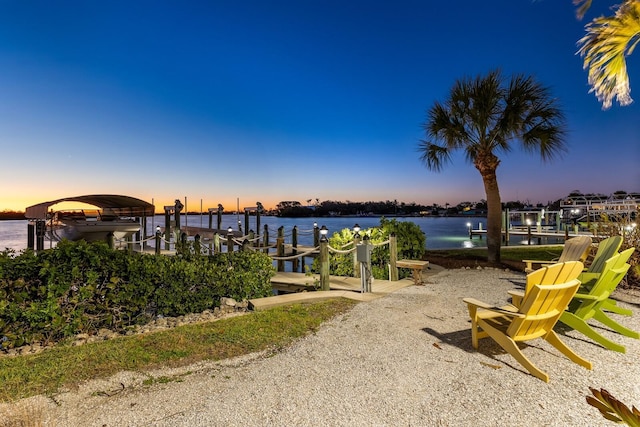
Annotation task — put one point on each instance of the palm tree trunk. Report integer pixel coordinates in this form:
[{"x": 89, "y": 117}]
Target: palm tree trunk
[{"x": 494, "y": 215}]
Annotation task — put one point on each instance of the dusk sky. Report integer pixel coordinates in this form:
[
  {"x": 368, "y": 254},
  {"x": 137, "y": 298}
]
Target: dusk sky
[{"x": 286, "y": 100}]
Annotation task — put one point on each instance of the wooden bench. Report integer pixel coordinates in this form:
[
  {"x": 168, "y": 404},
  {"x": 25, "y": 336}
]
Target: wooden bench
[{"x": 416, "y": 267}]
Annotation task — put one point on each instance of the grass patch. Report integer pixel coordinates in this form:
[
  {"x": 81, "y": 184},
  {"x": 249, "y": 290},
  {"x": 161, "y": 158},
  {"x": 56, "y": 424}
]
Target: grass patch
[{"x": 67, "y": 366}]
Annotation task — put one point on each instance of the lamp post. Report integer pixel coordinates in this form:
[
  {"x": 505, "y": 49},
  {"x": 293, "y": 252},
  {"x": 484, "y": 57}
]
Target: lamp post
[
  {"x": 316, "y": 234},
  {"x": 158, "y": 236},
  {"x": 229, "y": 239},
  {"x": 469, "y": 229},
  {"x": 323, "y": 233}
]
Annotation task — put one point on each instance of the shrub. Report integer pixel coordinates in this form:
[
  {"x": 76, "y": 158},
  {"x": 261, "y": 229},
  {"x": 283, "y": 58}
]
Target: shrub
[
  {"x": 411, "y": 243},
  {"x": 627, "y": 228},
  {"x": 82, "y": 287}
]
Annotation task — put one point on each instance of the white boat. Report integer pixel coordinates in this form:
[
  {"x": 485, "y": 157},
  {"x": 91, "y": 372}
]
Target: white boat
[{"x": 92, "y": 226}]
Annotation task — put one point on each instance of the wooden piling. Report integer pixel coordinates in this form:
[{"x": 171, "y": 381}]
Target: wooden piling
[
  {"x": 393, "y": 257},
  {"x": 280, "y": 248},
  {"x": 356, "y": 265},
  {"x": 294, "y": 246},
  {"x": 324, "y": 265}
]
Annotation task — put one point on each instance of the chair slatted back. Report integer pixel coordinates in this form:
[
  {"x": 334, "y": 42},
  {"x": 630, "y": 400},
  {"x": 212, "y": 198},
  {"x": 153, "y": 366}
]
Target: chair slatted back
[
  {"x": 555, "y": 273},
  {"x": 575, "y": 249},
  {"x": 606, "y": 249},
  {"x": 542, "y": 307}
]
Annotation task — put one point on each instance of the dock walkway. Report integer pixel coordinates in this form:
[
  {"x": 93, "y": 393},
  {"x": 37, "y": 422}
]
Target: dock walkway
[{"x": 341, "y": 287}]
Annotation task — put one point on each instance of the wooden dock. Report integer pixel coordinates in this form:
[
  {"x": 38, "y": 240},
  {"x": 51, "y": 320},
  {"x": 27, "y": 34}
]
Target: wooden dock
[
  {"x": 534, "y": 233},
  {"x": 341, "y": 287}
]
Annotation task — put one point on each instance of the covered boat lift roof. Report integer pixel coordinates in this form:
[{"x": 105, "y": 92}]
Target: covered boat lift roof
[{"x": 114, "y": 204}]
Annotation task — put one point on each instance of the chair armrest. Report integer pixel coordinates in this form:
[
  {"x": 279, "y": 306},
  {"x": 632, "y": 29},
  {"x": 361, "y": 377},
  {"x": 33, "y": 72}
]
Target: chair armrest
[
  {"x": 517, "y": 296},
  {"x": 529, "y": 263},
  {"x": 516, "y": 293},
  {"x": 586, "y": 296},
  {"x": 501, "y": 310},
  {"x": 538, "y": 261}
]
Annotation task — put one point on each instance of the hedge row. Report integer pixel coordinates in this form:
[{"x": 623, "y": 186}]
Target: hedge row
[{"x": 80, "y": 287}]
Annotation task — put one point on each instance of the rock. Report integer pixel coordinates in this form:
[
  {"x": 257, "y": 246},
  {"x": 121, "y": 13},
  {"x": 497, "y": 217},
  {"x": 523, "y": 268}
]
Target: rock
[{"x": 225, "y": 301}]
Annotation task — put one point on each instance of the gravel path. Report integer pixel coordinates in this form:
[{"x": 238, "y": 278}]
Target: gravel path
[{"x": 402, "y": 360}]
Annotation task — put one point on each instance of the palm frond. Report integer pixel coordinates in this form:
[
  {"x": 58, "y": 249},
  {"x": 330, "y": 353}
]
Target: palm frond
[
  {"x": 433, "y": 155},
  {"x": 586, "y": 4},
  {"x": 604, "y": 47},
  {"x": 612, "y": 409}
]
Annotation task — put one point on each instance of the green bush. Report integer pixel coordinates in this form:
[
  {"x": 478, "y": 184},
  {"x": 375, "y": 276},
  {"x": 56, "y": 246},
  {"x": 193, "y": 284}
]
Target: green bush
[
  {"x": 81, "y": 287},
  {"x": 411, "y": 242}
]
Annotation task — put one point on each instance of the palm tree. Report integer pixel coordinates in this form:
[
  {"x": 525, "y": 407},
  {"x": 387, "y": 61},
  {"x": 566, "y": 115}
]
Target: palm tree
[
  {"x": 604, "y": 47},
  {"x": 483, "y": 117}
]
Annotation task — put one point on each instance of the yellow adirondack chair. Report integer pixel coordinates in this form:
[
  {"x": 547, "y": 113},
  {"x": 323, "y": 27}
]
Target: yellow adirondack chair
[
  {"x": 575, "y": 249},
  {"x": 539, "y": 312},
  {"x": 555, "y": 273},
  {"x": 591, "y": 304}
]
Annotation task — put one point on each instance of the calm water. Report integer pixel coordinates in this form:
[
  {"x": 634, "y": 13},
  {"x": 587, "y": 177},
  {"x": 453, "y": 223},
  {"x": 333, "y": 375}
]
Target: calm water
[{"x": 441, "y": 232}]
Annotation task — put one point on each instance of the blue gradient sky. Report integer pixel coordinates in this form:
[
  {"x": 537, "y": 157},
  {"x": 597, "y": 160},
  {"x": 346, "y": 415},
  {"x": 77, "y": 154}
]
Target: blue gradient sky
[{"x": 284, "y": 100}]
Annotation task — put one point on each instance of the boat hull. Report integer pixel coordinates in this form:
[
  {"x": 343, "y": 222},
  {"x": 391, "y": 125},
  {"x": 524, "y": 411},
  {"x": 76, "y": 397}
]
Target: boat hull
[{"x": 97, "y": 231}]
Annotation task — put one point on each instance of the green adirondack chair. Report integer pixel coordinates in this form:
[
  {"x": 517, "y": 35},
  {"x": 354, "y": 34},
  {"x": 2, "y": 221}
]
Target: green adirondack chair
[
  {"x": 586, "y": 306},
  {"x": 606, "y": 249}
]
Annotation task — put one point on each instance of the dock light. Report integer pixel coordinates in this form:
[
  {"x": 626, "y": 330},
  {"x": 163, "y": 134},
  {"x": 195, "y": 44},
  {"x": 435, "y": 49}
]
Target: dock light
[
  {"x": 158, "y": 229},
  {"x": 315, "y": 225},
  {"x": 323, "y": 232},
  {"x": 229, "y": 230},
  {"x": 356, "y": 230}
]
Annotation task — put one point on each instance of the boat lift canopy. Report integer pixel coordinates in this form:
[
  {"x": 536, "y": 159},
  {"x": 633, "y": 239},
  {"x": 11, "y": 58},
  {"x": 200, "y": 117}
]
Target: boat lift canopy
[{"x": 114, "y": 204}]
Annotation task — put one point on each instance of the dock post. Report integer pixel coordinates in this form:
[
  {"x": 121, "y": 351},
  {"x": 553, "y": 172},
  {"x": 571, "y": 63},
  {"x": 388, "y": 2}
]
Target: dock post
[
  {"x": 259, "y": 208},
  {"x": 178, "y": 208},
  {"x": 210, "y": 219},
  {"x": 316, "y": 235},
  {"x": 265, "y": 239},
  {"x": 393, "y": 257},
  {"x": 294, "y": 247},
  {"x": 217, "y": 244},
  {"x": 280, "y": 247},
  {"x": 246, "y": 220},
  {"x": 41, "y": 227},
  {"x": 230, "y": 240},
  {"x": 245, "y": 245},
  {"x": 219, "y": 218},
  {"x": 197, "y": 247},
  {"x": 324, "y": 264},
  {"x": 356, "y": 264},
  {"x": 30, "y": 235},
  {"x": 529, "y": 234},
  {"x": 252, "y": 236},
  {"x": 111, "y": 240},
  {"x": 158, "y": 237},
  {"x": 167, "y": 228}
]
